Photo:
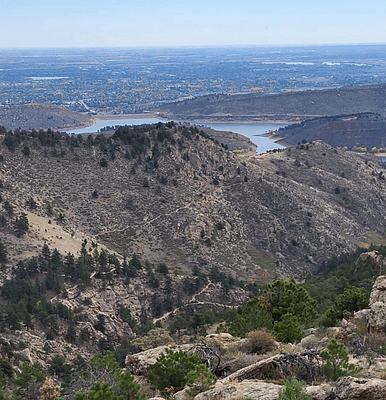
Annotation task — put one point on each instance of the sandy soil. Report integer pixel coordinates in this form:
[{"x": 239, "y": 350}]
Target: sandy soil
[{"x": 46, "y": 230}]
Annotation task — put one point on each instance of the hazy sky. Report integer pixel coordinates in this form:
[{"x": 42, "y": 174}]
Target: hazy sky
[{"x": 94, "y": 23}]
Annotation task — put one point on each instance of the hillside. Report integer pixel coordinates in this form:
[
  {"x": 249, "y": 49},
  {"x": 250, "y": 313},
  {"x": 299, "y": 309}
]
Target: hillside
[
  {"x": 171, "y": 195},
  {"x": 41, "y": 116},
  {"x": 361, "y": 130},
  {"x": 162, "y": 219},
  {"x": 283, "y": 106}
]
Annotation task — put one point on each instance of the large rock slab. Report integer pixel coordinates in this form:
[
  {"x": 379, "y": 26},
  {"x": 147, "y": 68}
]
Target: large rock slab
[
  {"x": 248, "y": 389},
  {"x": 350, "y": 388}
]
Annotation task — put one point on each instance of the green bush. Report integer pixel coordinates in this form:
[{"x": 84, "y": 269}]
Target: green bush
[
  {"x": 171, "y": 370},
  {"x": 336, "y": 361},
  {"x": 293, "y": 390},
  {"x": 200, "y": 379}
]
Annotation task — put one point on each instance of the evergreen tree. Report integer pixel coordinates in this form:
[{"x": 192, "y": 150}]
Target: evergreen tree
[
  {"x": 287, "y": 330},
  {"x": 282, "y": 297},
  {"x": 251, "y": 316},
  {"x": 336, "y": 359},
  {"x": 171, "y": 370}
]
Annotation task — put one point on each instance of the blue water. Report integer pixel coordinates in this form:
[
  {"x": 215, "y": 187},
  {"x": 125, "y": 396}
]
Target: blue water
[{"x": 249, "y": 130}]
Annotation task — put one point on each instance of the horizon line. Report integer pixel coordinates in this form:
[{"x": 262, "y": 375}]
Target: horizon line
[{"x": 193, "y": 46}]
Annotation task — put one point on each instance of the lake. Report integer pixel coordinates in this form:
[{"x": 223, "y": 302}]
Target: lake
[{"x": 250, "y": 130}]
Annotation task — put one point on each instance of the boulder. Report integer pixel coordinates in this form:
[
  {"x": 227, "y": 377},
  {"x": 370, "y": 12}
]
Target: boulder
[
  {"x": 222, "y": 337},
  {"x": 25, "y": 355},
  {"x": 333, "y": 332},
  {"x": 323, "y": 343},
  {"x": 348, "y": 327},
  {"x": 248, "y": 389},
  {"x": 350, "y": 388},
  {"x": 377, "y": 316},
  {"x": 309, "y": 342},
  {"x": 361, "y": 318},
  {"x": 374, "y": 257},
  {"x": 320, "y": 392}
]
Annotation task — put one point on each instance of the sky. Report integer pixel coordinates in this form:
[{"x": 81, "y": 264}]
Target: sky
[{"x": 127, "y": 23}]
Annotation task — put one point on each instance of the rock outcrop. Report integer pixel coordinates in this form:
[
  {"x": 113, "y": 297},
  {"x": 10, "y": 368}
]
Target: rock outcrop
[
  {"x": 251, "y": 389},
  {"x": 377, "y": 303},
  {"x": 350, "y": 388},
  {"x": 347, "y": 388}
]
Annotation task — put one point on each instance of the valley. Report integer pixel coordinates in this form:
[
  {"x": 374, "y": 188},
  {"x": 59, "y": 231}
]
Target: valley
[{"x": 176, "y": 239}]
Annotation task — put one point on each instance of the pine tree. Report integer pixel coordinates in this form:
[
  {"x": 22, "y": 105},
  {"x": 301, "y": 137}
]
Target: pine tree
[{"x": 336, "y": 359}]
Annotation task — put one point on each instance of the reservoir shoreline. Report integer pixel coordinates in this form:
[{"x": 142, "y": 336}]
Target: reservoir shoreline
[{"x": 257, "y": 131}]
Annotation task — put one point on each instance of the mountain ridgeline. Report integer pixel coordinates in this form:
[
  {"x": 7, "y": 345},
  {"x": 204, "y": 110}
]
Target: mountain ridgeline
[{"x": 171, "y": 194}]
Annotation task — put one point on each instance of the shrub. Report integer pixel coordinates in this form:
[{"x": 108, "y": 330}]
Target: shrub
[
  {"x": 261, "y": 341},
  {"x": 200, "y": 379},
  {"x": 170, "y": 371},
  {"x": 154, "y": 338},
  {"x": 336, "y": 361},
  {"x": 48, "y": 391},
  {"x": 26, "y": 151},
  {"x": 293, "y": 390},
  {"x": 21, "y": 224},
  {"x": 103, "y": 162}
]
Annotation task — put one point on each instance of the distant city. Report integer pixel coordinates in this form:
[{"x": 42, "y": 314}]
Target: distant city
[{"x": 133, "y": 80}]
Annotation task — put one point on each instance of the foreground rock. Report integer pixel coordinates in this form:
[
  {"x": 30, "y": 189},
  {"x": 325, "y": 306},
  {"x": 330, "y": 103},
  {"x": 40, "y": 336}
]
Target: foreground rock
[
  {"x": 250, "y": 389},
  {"x": 350, "y": 388},
  {"x": 347, "y": 388}
]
